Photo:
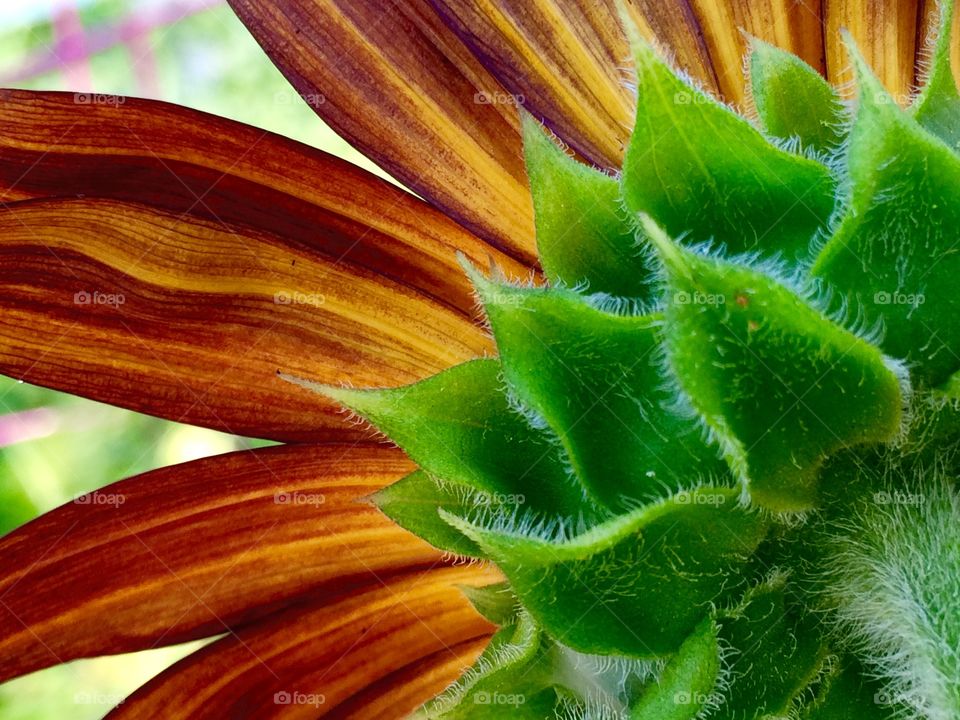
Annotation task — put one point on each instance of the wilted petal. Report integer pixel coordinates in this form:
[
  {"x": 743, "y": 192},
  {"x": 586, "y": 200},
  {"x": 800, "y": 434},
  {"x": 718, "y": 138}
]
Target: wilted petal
[
  {"x": 329, "y": 660},
  {"x": 405, "y": 91},
  {"x": 196, "y": 550}
]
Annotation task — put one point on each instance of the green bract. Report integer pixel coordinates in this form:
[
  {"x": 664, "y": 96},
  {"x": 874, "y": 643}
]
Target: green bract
[
  {"x": 793, "y": 100},
  {"x": 714, "y": 458}
]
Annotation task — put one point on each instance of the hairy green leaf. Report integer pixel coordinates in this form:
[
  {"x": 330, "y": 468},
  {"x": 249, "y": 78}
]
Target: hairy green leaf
[
  {"x": 496, "y": 603},
  {"x": 506, "y": 680},
  {"x": 893, "y": 577},
  {"x": 597, "y": 380},
  {"x": 414, "y": 501},
  {"x": 687, "y": 687},
  {"x": 847, "y": 692},
  {"x": 636, "y": 585},
  {"x": 937, "y": 108},
  {"x": 895, "y": 250},
  {"x": 764, "y": 632},
  {"x": 779, "y": 384},
  {"x": 583, "y": 234},
  {"x": 792, "y": 99},
  {"x": 459, "y": 426},
  {"x": 697, "y": 167}
]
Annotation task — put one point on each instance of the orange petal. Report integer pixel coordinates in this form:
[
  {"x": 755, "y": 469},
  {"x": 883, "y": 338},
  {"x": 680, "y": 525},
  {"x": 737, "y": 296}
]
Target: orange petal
[
  {"x": 191, "y": 319},
  {"x": 196, "y": 550},
  {"x": 403, "y": 89},
  {"x": 189, "y": 162},
  {"x": 791, "y": 25},
  {"x": 565, "y": 59},
  {"x": 886, "y": 33},
  {"x": 315, "y": 661},
  {"x": 407, "y": 689}
]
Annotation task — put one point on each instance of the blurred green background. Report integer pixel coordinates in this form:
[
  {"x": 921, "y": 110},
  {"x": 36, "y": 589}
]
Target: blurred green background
[{"x": 55, "y": 446}]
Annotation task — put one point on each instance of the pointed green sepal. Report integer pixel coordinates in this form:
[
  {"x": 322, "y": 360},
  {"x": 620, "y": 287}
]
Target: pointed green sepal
[
  {"x": 583, "y": 234},
  {"x": 459, "y": 427},
  {"x": 697, "y": 167},
  {"x": 496, "y": 603},
  {"x": 414, "y": 501},
  {"x": 636, "y": 585},
  {"x": 505, "y": 680},
  {"x": 687, "y": 689},
  {"x": 894, "y": 252},
  {"x": 597, "y": 379},
  {"x": 766, "y": 631},
  {"x": 937, "y": 107},
  {"x": 847, "y": 691},
  {"x": 793, "y": 100},
  {"x": 779, "y": 384}
]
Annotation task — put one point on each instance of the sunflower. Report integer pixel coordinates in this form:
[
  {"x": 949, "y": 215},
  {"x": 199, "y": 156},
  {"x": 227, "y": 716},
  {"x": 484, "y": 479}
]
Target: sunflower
[{"x": 189, "y": 267}]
